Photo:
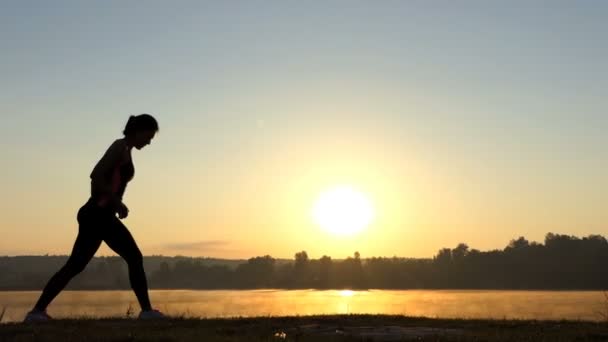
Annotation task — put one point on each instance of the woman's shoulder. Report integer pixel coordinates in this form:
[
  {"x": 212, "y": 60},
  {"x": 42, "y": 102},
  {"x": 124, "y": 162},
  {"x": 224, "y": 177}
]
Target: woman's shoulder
[
  {"x": 115, "y": 155},
  {"x": 121, "y": 142},
  {"x": 118, "y": 147}
]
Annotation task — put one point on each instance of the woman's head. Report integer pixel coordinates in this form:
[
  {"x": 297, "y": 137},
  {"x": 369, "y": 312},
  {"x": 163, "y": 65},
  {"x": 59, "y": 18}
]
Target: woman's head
[{"x": 140, "y": 130}]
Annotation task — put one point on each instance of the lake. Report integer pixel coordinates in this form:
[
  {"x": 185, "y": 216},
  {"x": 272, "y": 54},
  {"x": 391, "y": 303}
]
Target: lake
[{"x": 583, "y": 305}]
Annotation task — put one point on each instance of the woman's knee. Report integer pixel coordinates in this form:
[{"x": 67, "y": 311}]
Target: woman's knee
[
  {"x": 135, "y": 258},
  {"x": 73, "y": 268}
]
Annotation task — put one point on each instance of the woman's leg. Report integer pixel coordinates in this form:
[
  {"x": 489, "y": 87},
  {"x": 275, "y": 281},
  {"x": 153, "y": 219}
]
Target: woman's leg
[
  {"x": 84, "y": 249},
  {"x": 119, "y": 239}
]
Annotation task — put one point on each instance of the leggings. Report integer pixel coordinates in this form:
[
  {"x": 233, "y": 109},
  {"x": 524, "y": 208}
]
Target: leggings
[{"x": 97, "y": 224}]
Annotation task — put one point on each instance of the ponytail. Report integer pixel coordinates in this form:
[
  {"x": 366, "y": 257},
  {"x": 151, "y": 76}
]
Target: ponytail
[{"x": 142, "y": 122}]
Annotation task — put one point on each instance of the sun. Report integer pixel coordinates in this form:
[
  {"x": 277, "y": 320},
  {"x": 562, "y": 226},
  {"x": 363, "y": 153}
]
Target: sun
[{"x": 342, "y": 210}]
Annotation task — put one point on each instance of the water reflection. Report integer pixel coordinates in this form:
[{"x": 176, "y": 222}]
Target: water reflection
[
  {"x": 584, "y": 305},
  {"x": 347, "y": 293}
]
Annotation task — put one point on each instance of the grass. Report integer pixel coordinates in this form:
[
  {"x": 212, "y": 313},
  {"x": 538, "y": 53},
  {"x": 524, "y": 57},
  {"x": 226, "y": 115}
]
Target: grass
[{"x": 305, "y": 328}]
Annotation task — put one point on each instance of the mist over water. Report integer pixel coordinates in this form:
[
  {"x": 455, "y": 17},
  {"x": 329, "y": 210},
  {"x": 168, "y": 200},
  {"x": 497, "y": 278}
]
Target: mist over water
[{"x": 495, "y": 304}]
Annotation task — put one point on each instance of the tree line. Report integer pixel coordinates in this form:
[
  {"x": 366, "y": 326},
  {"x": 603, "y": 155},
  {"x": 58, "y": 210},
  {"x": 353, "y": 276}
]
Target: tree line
[{"x": 561, "y": 262}]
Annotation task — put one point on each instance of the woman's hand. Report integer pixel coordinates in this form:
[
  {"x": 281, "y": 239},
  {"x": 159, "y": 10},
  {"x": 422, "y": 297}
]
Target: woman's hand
[{"x": 122, "y": 211}]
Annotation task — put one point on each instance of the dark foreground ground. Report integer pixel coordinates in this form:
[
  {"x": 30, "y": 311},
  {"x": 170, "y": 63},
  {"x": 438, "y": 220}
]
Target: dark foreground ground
[{"x": 306, "y": 328}]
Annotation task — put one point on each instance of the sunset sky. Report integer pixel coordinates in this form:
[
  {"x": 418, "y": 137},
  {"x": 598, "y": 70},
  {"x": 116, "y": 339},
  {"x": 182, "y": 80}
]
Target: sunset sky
[{"x": 459, "y": 121}]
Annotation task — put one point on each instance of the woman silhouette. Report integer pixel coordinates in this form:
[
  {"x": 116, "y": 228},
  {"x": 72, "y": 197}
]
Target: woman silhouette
[{"x": 98, "y": 221}]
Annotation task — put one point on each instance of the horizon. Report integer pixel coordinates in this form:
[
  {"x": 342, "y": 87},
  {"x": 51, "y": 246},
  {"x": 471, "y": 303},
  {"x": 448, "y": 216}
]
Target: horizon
[{"x": 393, "y": 128}]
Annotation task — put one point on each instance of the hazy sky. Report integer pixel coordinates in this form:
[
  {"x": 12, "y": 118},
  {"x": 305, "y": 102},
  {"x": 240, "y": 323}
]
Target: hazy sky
[{"x": 462, "y": 121}]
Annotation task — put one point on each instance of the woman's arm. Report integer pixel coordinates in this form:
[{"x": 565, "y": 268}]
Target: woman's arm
[{"x": 103, "y": 173}]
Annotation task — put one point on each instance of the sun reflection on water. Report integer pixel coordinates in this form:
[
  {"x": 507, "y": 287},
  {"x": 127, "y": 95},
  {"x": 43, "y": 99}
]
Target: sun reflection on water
[{"x": 346, "y": 293}]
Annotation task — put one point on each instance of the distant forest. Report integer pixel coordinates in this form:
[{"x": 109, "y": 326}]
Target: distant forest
[{"x": 562, "y": 262}]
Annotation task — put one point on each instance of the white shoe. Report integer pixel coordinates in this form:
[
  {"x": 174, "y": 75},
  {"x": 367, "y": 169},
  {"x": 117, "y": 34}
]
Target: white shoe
[
  {"x": 151, "y": 314},
  {"x": 37, "y": 316}
]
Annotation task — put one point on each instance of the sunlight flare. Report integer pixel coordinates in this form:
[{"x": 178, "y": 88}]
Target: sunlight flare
[{"x": 343, "y": 210}]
